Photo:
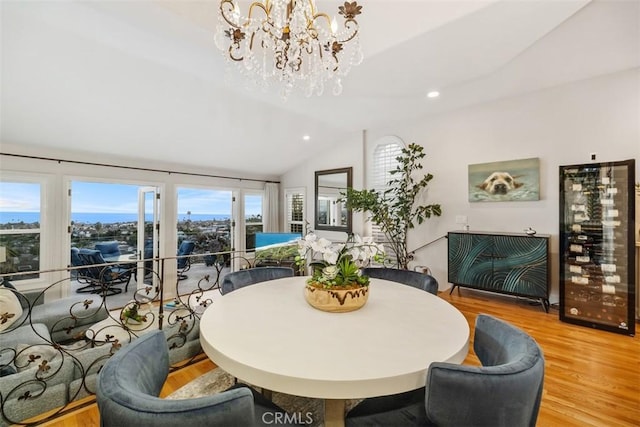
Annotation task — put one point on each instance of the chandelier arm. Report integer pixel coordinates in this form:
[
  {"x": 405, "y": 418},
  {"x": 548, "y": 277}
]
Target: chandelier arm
[
  {"x": 309, "y": 50},
  {"x": 281, "y": 59},
  {"x": 320, "y": 15},
  {"x": 224, "y": 14},
  {"x": 335, "y": 58},
  {"x": 312, "y": 6},
  {"x": 296, "y": 65},
  {"x": 251, "y": 42},
  {"x": 233, "y": 57},
  {"x": 266, "y": 9},
  {"x": 355, "y": 32}
]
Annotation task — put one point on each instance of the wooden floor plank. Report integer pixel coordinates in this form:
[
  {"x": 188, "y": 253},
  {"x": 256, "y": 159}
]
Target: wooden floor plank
[{"x": 592, "y": 377}]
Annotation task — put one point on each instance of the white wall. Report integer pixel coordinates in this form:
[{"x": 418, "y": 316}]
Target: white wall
[
  {"x": 345, "y": 154},
  {"x": 560, "y": 126}
]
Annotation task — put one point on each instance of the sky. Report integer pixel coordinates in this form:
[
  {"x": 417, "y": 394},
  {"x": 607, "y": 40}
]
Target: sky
[
  {"x": 91, "y": 197},
  {"x": 19, "y": 197}
]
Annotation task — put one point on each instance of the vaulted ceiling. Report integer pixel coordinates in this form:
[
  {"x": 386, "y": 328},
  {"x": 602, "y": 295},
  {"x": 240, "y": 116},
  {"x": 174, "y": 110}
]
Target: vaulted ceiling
[{"x": 144, "y": 79}]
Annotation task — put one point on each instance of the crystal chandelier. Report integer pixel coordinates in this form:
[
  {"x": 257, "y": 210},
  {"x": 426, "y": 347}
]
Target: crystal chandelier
[{"x": 290, "y": 42}]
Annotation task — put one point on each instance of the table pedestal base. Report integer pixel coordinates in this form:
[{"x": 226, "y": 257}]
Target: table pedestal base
[{"x": 334, "y": 412}]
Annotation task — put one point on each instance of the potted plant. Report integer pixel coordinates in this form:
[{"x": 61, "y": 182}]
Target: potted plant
[
  {"x": 395, "y": 209},
  {"x": 336, "y": 283},
  {"x": 132, "y": 316}
]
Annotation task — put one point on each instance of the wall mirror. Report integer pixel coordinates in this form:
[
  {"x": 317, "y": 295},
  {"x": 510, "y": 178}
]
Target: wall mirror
[{"x": 330, "y": 213}]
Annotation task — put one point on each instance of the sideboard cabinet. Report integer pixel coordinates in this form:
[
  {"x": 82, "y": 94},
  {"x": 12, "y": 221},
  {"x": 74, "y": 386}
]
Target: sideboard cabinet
[{"x": 508, "y": 263}]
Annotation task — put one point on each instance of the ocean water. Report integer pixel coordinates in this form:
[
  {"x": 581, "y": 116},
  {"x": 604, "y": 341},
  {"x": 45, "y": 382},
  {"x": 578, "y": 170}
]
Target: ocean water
[{"x": 104, "y": 218}]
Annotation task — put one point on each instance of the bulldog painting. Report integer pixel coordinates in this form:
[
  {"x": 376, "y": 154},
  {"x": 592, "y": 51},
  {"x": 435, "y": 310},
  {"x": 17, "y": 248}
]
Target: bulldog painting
[
  {"x": 500, "y": 183},
  {"x": 512, "y": 180}
]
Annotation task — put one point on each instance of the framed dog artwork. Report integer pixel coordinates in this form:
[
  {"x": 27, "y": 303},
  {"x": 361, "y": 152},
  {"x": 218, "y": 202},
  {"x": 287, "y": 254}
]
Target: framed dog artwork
[{"x": 512, "y": 180}]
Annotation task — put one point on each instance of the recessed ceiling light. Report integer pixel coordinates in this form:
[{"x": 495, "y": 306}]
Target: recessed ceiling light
[
  {"x": 306, "y": 137},
  {"x": 433, "y": 94}
]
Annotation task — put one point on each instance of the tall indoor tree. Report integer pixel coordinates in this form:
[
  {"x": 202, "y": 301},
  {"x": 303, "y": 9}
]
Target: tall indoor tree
[{"x": 395, "y": 210}]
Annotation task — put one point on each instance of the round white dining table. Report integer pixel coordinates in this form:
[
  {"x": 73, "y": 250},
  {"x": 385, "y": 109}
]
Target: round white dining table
[{"x": 269, "y": 336}]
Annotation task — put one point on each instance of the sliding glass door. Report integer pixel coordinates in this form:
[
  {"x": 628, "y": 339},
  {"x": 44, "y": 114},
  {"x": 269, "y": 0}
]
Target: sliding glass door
[{"x": 126, "y": 215}]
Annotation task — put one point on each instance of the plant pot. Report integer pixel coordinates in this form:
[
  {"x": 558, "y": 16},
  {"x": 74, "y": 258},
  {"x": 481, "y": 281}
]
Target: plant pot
[
  {"x": 336, "y": 300},
  {"x": 130, "y": 321}
]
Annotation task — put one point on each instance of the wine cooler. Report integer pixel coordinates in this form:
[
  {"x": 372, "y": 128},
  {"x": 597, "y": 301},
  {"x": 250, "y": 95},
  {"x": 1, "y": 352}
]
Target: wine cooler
[{"x": 597, "y": 245}]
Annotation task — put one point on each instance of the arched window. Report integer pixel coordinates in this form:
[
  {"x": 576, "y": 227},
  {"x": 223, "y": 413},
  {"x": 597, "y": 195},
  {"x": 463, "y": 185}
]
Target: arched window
[{"x": 383, "y": 161}]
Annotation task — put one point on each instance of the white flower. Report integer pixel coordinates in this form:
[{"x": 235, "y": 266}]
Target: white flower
[
  {"x": 330, "y": 257},
  {"x": 365, "y": 249},
  {"x": 322, "y": 245},
  {"x": 361, "y": 250}
]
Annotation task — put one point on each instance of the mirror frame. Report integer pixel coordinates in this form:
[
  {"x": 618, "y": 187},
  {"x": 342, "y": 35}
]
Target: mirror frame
[{"x": 318, "y": 174}]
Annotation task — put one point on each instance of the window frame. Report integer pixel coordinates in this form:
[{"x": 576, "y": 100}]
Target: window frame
[
  {"x": 249, "y": 193},
  {"x": 289, "y": 193},
  {"x": 232, "y": 195},
  {"x": 46, "y": 233}
]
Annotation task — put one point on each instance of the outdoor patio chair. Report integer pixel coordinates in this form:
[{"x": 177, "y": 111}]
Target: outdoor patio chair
[
  {"x": 109, "y": 250},
  {"x": 81, "y": 275},
  {"x": 102, "y": 278},
  {"x": 184, "y": 264}
]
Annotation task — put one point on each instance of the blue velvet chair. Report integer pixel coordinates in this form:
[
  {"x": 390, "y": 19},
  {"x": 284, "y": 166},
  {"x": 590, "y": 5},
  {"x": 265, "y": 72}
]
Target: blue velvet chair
[
  {"x": 418, "y": 280},
  {"x": 505, "y": 391},
  {"x": 131, "y": 380},
  {"x": 250, "y": 276},
  {"x": 184, "y": 264}
]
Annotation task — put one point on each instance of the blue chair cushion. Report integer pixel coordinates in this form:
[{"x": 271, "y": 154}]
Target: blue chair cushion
[{"x": 108, "y": 249}]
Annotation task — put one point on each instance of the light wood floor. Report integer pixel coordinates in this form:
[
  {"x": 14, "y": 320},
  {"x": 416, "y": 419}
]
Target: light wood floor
[{"x": 592, "y": 377}]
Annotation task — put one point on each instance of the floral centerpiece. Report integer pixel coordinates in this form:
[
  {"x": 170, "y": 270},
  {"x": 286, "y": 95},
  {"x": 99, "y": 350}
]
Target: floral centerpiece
[{"x": 336, "y": 270}]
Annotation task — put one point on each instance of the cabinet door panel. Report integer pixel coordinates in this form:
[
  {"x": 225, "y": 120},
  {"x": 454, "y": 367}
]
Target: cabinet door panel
[
  {"x": 471, "y": 260},
  {"x": 506, "y": 263},
  {"x": 520, "y": 265}
]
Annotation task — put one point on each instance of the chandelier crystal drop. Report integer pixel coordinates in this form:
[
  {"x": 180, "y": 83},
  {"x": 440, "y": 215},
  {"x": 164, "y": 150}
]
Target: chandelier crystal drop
[{"x": 290, "y": 42}]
